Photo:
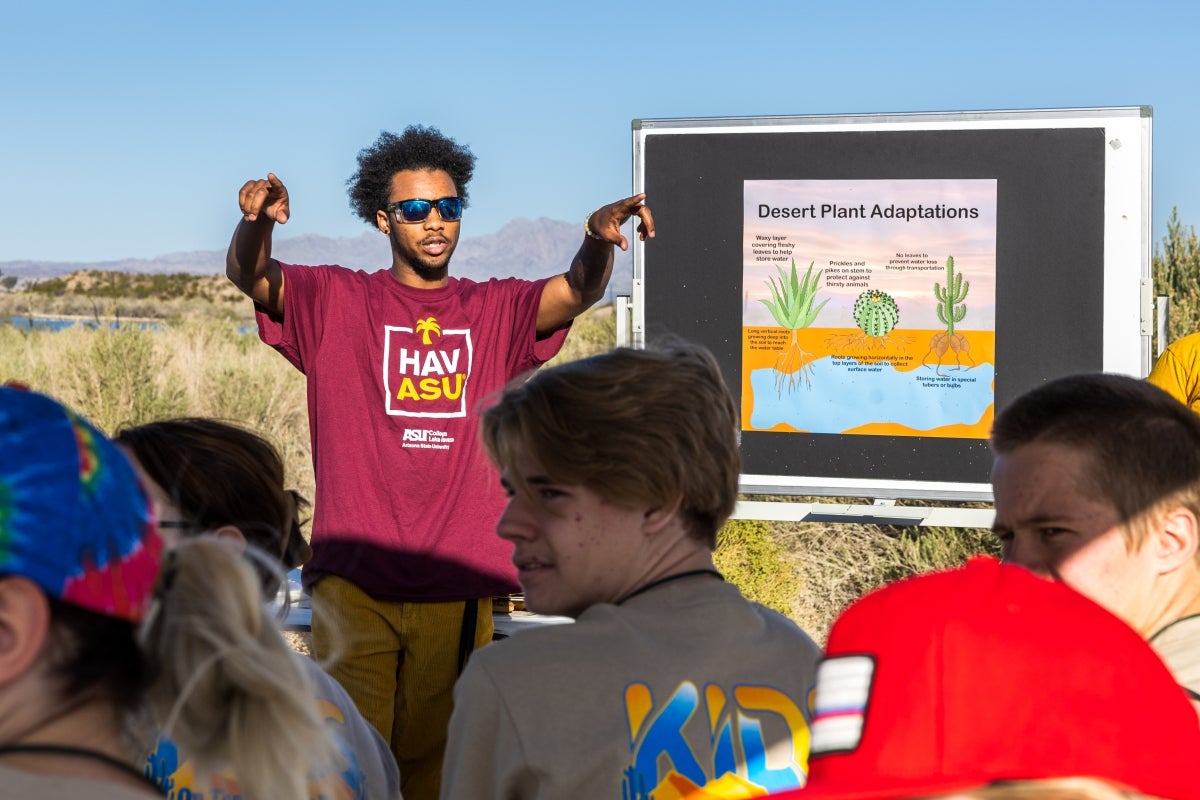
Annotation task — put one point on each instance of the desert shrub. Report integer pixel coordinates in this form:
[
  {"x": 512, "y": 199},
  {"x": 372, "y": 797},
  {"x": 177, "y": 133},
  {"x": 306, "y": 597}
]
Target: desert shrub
[
  {"x": 243, "y": 380},
  {"x": 21, "y": 357},
  {"x": 112, "y": 376},
  {"x": 592, "y": 333},
  {"x": 51, "y": 286},
  {"x": 924, "y": 549},
  {"x": 751, "y": 556},
  {"x": 839, "y": 562},
  {"x": 229, "y": 374},
  {"x": 810, "y": 571},
  {"x": 121, "y": 377}
]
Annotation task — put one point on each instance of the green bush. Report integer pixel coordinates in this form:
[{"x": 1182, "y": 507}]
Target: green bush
[
  {"x": 121, "y": 376},
  {"x": 594, "y": 332},
  {"x": 751, "y": 556},
  {"x": 52, "y": 286},
  {"x": 1176, "y": 271}
]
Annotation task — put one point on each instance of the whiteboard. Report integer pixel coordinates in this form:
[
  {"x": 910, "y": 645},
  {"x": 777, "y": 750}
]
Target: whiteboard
[{"x": 1047, "y": 210}]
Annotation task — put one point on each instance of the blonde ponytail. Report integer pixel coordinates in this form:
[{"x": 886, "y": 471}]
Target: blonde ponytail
[{"x": 225, "y": 687}]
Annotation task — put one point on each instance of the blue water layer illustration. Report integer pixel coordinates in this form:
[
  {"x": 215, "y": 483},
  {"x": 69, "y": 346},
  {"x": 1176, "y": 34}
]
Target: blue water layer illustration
[{"x": 843, "y": 393}]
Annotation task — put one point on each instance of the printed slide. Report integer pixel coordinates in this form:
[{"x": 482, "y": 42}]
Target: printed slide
[{"x": 869, "y": 307}]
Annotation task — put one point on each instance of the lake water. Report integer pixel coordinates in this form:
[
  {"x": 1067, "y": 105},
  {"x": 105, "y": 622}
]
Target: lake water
[{"x": 27, "y": 323}]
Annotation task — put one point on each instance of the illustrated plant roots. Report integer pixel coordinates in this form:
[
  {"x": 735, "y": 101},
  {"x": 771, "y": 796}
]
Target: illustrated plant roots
[
  {"x": 950, "y": 309},
  {"x": 791, "y": 305},
  {"x": 793, "y": 365},
  {"x": 876, "y": 314}
]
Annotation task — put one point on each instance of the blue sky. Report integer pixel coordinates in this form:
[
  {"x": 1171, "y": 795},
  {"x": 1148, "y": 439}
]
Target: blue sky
[{"x": 126, "y": 128}]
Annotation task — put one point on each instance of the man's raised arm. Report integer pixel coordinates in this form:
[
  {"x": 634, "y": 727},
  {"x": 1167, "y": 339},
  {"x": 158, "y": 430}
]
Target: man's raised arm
[
  {"x": 248, "y": 263},
  {"x": 569, "y": 295}
]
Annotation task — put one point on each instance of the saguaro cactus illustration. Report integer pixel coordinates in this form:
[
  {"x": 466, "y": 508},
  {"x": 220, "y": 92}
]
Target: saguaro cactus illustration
[{"x": 950, "y": 309}]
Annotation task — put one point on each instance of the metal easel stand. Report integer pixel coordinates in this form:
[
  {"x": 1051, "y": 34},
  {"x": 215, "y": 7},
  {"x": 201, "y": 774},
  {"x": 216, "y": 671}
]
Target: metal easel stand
[{"x": 881, "y": 512}]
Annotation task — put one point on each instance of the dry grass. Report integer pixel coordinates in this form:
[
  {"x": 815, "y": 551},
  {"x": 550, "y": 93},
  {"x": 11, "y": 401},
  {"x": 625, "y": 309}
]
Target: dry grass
[
  {"x": 201, "y": 367},
  {"x": 199, "y": 363},
  {"x": 836, "y": 564}
]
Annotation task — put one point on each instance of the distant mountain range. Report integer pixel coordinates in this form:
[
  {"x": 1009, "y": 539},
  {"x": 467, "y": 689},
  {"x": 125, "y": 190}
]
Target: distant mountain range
[{"x": 523, "y": 248}]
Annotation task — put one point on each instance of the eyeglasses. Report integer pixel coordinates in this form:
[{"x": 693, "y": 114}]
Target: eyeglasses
[{"x": 417, "y": 210}]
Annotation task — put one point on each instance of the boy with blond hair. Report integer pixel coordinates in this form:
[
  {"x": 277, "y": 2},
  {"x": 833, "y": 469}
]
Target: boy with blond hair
[{"x": 619, "y": 471}]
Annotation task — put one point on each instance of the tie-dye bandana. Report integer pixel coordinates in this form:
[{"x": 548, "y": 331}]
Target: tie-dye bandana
[{"x": 73, "y": 518}]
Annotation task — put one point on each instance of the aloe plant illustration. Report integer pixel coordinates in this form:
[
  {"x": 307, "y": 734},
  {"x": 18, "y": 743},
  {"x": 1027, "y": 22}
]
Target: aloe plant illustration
[
  {"x": 791, "y": 305},
  {"x": 950, "y": 310}
]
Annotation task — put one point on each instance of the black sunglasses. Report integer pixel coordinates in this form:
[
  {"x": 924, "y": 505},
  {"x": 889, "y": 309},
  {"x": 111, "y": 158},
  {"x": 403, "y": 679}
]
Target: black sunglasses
[{"x": 417, "y": 210}]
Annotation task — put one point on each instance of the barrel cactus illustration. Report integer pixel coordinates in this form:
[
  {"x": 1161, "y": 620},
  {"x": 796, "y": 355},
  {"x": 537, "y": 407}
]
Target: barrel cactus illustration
[{"x": 876, "y": 313}]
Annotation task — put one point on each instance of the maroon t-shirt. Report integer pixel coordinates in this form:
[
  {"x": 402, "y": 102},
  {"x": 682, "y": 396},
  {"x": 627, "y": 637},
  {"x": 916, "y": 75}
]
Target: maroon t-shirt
[{"x": 407, "y": 502}]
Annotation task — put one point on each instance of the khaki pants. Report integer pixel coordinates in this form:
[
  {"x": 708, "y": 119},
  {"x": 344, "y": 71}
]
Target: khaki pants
[{"x": 398, "y": 661}]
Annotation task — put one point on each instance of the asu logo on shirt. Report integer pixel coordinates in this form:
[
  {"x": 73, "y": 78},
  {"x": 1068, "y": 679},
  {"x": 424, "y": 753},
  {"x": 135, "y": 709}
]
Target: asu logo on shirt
[{"x": 426, "y": 369}]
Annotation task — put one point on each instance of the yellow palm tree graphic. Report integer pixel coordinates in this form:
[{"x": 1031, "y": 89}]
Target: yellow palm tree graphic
[{"x": 427, "y": 326}]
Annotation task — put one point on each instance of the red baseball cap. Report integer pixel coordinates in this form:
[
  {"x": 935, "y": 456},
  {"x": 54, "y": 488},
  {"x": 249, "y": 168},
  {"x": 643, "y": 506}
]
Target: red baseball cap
[{"x": 955, "y": 679}]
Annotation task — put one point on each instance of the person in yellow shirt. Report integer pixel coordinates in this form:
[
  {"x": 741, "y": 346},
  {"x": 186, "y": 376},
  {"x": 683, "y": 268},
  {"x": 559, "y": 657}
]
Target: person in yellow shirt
[{"x": 1177, "y": 371}]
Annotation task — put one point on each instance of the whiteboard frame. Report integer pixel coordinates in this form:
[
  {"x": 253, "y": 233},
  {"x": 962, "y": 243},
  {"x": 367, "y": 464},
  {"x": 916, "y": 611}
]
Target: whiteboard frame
[{"x": 1128, "y": 309}]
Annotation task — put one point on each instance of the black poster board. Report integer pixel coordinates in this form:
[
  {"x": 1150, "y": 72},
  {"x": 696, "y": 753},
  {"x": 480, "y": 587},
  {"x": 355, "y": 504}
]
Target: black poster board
[{"x": 1071, "y": 261}]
